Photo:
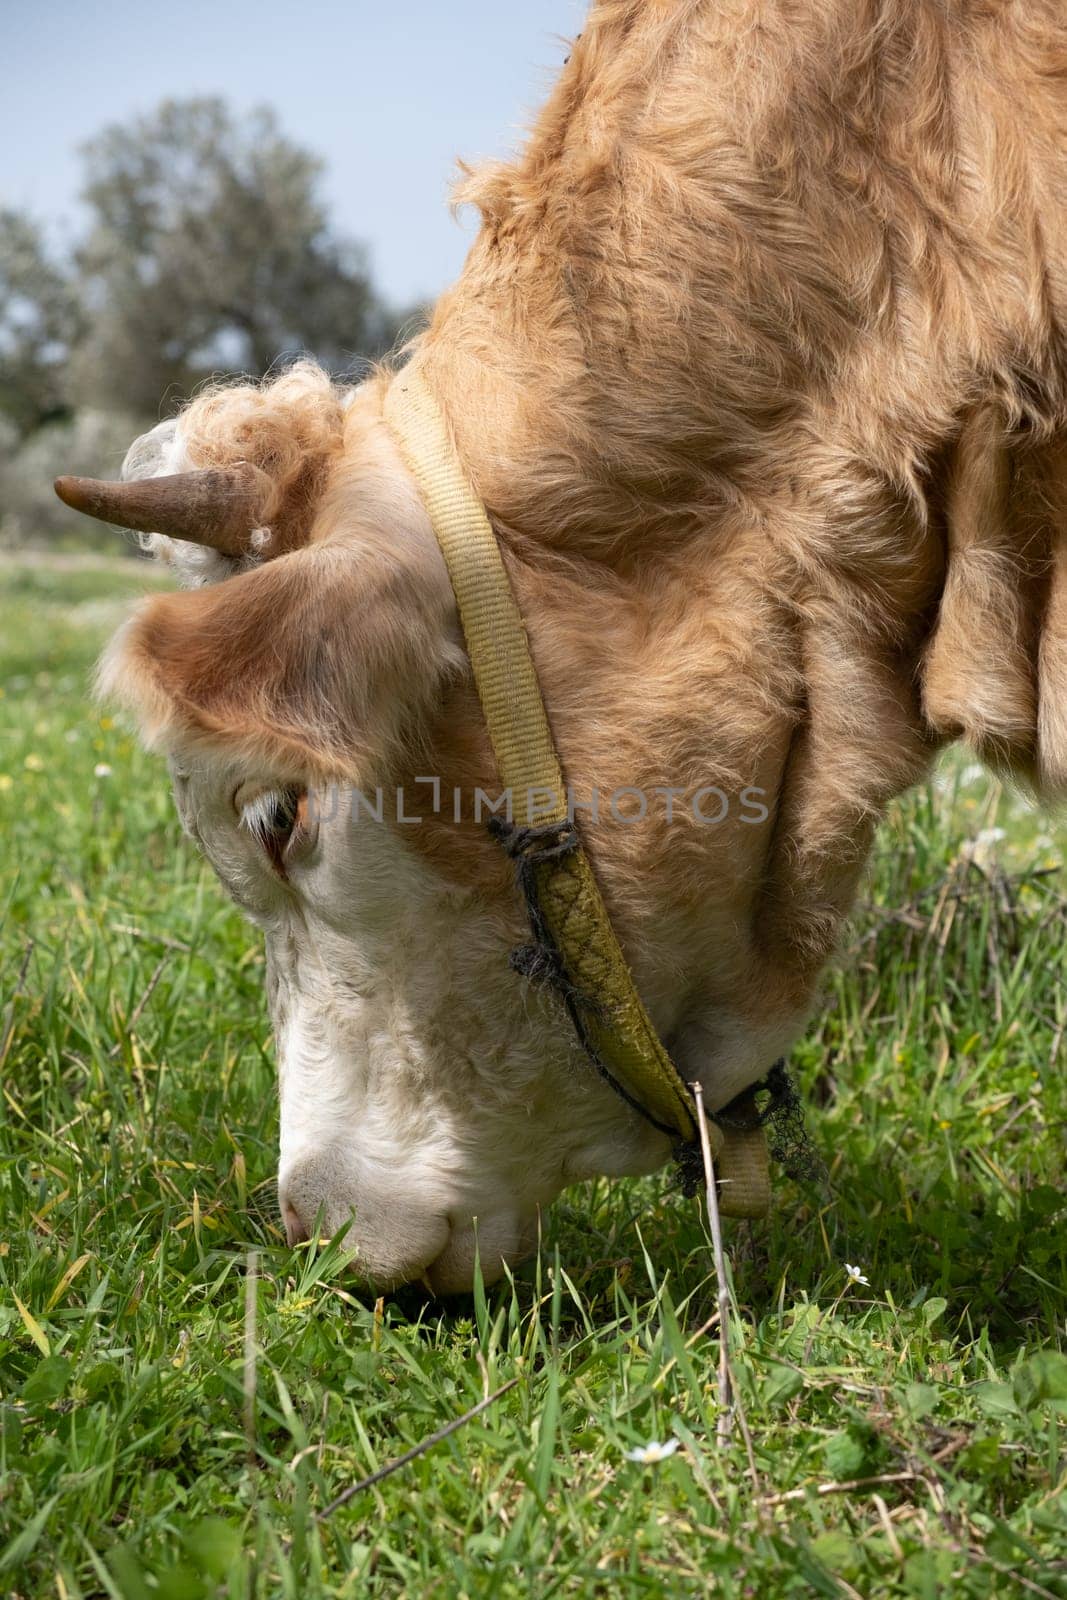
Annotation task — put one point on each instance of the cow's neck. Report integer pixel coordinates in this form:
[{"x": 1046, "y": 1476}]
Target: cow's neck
[{"x": 634, "y": 480}]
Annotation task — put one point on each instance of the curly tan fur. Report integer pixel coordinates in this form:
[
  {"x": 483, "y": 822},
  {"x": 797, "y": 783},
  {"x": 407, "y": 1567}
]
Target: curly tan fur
[
  {"x": 772, "y": 309},
  {"x": 292, "y": 428}
]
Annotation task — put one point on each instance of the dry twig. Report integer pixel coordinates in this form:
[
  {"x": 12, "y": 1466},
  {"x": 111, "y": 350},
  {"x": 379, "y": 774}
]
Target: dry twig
[
  {"x": 416, "y": 1450},
  {"x": 722, "y": 1426},
  {"x": 845, "y": 1486},
  {"x": 135, "y": 1014},
  {"x": 729, "y": 1400}
]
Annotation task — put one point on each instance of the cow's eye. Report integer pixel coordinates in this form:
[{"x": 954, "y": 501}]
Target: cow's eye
[{"x": 276, "y": 817}]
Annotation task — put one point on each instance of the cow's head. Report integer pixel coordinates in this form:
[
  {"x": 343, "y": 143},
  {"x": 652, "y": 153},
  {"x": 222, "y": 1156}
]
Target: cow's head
[{"x": 741, "y": 726}]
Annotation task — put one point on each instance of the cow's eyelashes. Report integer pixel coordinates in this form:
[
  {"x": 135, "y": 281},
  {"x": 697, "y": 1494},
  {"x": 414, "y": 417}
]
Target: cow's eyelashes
[{"x": 276, "y": 818}]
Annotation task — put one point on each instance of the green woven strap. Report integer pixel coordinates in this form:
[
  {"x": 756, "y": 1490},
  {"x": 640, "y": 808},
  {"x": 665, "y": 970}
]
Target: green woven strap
[{"x": 616, "y": 1024}]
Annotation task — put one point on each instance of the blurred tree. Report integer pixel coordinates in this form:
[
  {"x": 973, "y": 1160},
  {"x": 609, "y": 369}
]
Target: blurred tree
[
  {"x": 39, "y": 322},
  {"x": 209, "y": 250}
]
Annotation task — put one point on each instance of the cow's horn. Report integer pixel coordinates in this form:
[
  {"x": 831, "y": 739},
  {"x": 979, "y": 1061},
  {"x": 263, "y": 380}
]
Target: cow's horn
[{"x": 219, "y": 507}]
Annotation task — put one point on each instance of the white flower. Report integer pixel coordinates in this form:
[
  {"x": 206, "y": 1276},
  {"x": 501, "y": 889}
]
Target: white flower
[
  {"x": 981, "y": 847},
  {"x": 653, "y": 1451},
  {"x": 101, "y": 770},
  {"x": 856, "y": 1274}
]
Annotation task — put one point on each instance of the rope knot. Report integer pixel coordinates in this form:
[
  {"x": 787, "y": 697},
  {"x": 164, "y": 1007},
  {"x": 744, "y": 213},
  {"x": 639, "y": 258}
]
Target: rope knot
[
  {"x": 529, "y": 843},
  {"x": 538, "y": 964}
]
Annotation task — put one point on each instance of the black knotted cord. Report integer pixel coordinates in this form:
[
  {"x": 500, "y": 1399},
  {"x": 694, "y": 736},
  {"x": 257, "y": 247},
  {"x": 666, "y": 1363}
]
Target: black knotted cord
[{"x": 541, "y": 961}]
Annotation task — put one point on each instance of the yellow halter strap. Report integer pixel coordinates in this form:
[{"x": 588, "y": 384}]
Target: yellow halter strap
[{"x": 569, "y": 914}]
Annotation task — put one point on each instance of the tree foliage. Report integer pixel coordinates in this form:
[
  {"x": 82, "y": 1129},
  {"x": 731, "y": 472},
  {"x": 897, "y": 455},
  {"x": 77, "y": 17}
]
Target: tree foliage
[
  {"x": 40, "y": 321},
  {"x": 208, "y": 249}
]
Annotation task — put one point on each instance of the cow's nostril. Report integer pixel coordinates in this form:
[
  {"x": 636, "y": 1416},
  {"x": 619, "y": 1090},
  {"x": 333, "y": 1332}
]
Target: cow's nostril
[{"x": 295, "y": 1232}]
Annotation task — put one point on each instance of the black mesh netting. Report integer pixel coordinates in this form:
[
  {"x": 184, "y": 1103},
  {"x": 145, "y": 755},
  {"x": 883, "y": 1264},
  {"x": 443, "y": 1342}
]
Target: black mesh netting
[{"x": 775, "y": 1105}]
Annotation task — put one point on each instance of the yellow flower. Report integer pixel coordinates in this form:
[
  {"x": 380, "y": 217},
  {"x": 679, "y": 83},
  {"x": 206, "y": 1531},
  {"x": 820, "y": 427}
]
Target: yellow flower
[
  {"x": 107, "y": 723},
  {"x": 6, "y": 781},
  {"x": 33, "y": 764},
  {"x": 944, "y": 1123}
]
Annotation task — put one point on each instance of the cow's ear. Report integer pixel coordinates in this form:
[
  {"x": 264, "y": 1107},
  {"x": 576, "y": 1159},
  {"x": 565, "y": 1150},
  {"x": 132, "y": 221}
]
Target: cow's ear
[
  {"x": 995, "y": 671},
  {"x": 309, "y": 667}
]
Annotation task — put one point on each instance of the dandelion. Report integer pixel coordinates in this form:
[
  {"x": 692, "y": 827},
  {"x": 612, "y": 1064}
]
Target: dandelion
[
  {"x": 33, "y": 763},
  {"x": 6, "y": 781},
  {"x": 101, "y": 770},
  {"x": 652, "y": 1452},
  {"x": 856, "y": 1274}
]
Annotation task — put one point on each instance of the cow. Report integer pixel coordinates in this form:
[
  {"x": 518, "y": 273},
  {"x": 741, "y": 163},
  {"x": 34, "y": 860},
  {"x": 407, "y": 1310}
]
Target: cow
[{"x": 758, "y": 367}]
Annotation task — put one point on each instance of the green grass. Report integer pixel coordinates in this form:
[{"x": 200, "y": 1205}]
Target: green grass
[{"x": 136, "y": 1179}]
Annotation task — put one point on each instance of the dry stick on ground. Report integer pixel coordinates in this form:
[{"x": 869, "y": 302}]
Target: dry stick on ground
[
  {"x": 729, "y": 1399},
  {"x": 705, "y": 1327},
  {"x": 722, "y": 1427},
  {"x": 416, "y": 1450},
  {"x": 742, "y": 1422},
  {"x": 135, "y": 1014},
  {"x": 844, "y": 1487},
  {"x": 9, "y": 1028},
  {"x": 1010, "y": 1572}
]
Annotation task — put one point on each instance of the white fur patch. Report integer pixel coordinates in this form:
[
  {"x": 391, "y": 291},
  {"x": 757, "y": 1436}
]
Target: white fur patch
[
  {"x": 430, "y": 1099},
  {"x": 157, "y": 454},
  {"x": 423, "y": 1084}
]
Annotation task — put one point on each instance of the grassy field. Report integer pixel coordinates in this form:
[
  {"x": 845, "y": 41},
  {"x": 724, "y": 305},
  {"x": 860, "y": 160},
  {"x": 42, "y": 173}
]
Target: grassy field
[{"x": 906, "y": 1433}]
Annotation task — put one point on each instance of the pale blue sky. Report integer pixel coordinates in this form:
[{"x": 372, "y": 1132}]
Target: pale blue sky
[{"x": 389, "y": 93}]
